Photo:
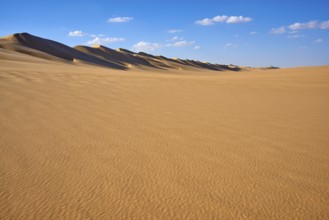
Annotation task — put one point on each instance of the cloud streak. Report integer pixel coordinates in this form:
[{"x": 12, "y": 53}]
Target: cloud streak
[
  {"x": 279, "y": 30},
  {"x": 145, "y": 46},
  {"x": 182, "y": 43},
  {"x": 318, "y": 41},
  {"x": 223, "y": 19},
  {"x": 295, "y": 36},
  {"x": 76, "y": 34},
  {"x": 105, "y": 40},
  {"x": 302, "y": 26},
  {"x": 120, "y": 19},
  {"x": 231, "y": 45},
  {"x": 175, "y": 42},
  {"x": 96, "y": 39},
  {"x": 174, "y": 31},
  {"x": 324, "y": 25}
]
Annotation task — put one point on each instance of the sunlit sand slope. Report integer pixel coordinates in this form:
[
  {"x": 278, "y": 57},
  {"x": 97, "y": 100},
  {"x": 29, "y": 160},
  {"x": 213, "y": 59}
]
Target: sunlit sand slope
[{"x": 93, "y": 143}]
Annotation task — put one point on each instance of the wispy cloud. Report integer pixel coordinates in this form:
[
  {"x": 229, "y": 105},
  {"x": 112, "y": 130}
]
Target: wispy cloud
[
  {"x": 173, "y": 31},
  {"x": 145, "y": 46},
  {"x": 95, "y": 35},
  {"x": 238, "y": 19},
  {"x": 182, "y": 43},
  {"x": 96, "y": 38},
  {"x": 197, "y": 47},
  {"x": 298, "y": 26},
  {"x": 222, "y": 19},
  {"x": 231, "y": 45},
  {"x": 324, "y": 25},
  {"x": 120, "y": 19},
  {"x": 295, "y": 36},
  {"x": 174, "y": 42},
  {"x": 279, "y": 30},
  {"x": 205, "y": 22},
  {"x": 105, "y": 40},
  {"x": 175, "y": 38},
  {"x": 253, "y": 33},
  {"x": 76, "y": 34},
  {"x": 293, "y": 32},
  {"x": 318, "y": 41}
]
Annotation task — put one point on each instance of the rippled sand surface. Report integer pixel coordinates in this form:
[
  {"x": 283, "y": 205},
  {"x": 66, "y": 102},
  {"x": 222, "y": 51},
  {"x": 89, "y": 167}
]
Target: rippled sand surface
[{"x": 93, "y": 143}]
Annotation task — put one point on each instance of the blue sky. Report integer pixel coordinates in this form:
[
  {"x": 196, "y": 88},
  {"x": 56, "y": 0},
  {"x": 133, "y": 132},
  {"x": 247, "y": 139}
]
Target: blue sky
[{"x": 242, "y": 32}]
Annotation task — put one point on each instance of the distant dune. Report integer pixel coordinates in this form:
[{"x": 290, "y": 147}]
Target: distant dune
[
  {"x": 98, "y": 55},
  {"x": 167, "y": 139}
]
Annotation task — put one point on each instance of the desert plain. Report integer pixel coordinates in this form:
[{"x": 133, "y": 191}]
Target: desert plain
[{"x": 159, "y": 141}]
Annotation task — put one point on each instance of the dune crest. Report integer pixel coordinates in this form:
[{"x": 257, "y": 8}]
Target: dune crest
[{"x": 99, "y": 55}]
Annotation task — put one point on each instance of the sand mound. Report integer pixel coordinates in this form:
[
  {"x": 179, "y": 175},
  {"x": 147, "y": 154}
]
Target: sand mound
[
  {"x": 99, "y": 55},
  {"x": 51, "y": 50}
]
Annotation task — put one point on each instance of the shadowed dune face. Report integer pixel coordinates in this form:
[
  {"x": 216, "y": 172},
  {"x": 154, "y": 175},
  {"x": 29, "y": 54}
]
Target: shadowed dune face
[
  {"x": 122, "y": 56},
  {"x": 47, "y": 49},
  {"x": 101, "y": 56},
  {"x": 83, "y": 142}
]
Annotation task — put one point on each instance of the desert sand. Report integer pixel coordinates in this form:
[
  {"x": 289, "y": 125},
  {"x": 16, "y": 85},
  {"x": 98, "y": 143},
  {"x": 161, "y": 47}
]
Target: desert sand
[{"x": 80, "y": 141}]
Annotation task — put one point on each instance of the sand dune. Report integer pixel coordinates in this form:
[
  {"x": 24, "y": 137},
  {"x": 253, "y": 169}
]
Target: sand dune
[
  {"x": 85, "y": 142},
  {"x": 51, "y": 50},
  {"x": 122, "y": 59}
]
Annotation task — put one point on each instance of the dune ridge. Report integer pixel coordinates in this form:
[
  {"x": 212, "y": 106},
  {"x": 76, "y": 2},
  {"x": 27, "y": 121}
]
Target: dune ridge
[{"x": 122, "y": 59}]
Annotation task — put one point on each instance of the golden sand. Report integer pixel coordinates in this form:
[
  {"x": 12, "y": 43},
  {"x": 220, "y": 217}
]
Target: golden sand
[{"x": 83, "y": 142}]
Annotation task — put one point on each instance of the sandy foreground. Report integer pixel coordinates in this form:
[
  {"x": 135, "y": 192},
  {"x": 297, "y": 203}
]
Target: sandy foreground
[{"x": 80, "y": 142}]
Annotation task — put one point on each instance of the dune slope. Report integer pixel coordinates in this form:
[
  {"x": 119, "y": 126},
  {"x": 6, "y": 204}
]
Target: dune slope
[
  {"x": 121, "y": 59},
  {"x": 95, "y": 143},
  {"x": 47, "y": 49}
]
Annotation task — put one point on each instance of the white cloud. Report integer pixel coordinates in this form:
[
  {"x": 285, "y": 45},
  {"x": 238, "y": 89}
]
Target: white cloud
[
  {"x": 205, "y": 22},
  {"x": 145, "y": 46},
  {"x": 298, "y": 26},
  {"x": 148, "y": 46},
  {"x": 308, "y": 25},
  {"x": 279, "y": 30},
  {"x": 295, "y": 36},
  {"x": 253, "y": 33},
  {"x": 220, "y": 18},
  {"x": 324, "y": 25},
  {"x": 96, "y": 38},
  {"x": 238, "y": 19},
  {"x": 302, "y": 48},
  {"x": 174, "y": 38},
  {"x": 105, "y": 40},
  {"x": 318, "y": 41},
  {"x": 120, "y": 19},
  {"x": 76, "y": 34},
  {"x": 293, "y": 32},
  {"x": 231, "y": 45},
  {"x": 197, "y": 47},
  {"x": 173, "y": 31},
  {"x": 182, "y": 43},
  {"x": 95, "y": 35},
  {"x": 223, "y": 18}
]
